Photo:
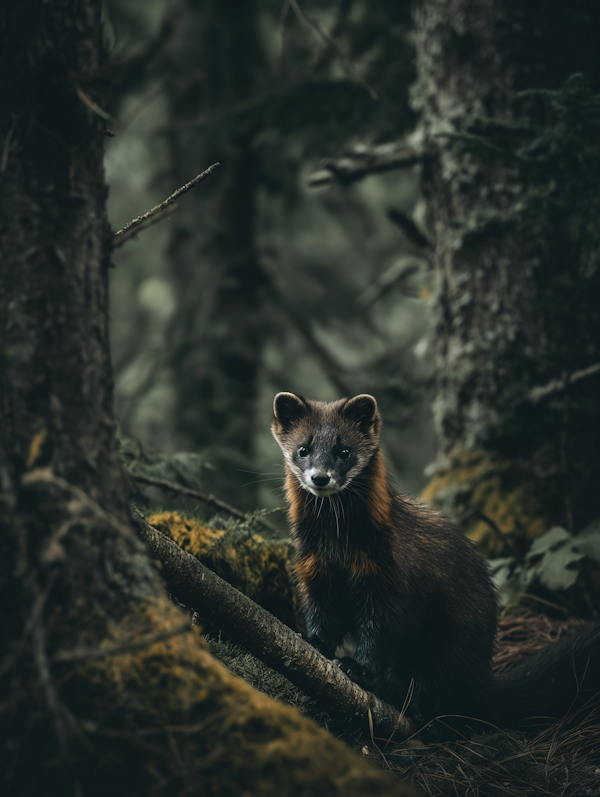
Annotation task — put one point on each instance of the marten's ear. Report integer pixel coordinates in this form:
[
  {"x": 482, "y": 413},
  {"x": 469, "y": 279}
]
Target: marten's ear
[
  {"x": 288, "y": 408},
  {"x": 362, "y": 410}
]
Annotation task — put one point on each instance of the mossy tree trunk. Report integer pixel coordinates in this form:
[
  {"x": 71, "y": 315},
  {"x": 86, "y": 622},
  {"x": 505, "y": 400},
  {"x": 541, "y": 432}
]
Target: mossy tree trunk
[
  {"x": 512, "y": 189},
  {"x": 102, "y": 691},
  {"x": 64, "y": 546}
]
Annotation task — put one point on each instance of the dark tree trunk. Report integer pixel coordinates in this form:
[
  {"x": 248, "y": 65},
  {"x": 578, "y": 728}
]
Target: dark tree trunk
[
  {"x": 63, "y": 524},
  {"x": 101, "y": 690},
  {"x": 55, "y": 249},
  {"x": 220, "y": 323},
  {"x": 512, "y": 201}
]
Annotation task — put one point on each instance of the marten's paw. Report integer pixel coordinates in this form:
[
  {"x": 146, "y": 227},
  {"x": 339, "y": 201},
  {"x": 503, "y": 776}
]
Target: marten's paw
[
  {"x": 356, "y": 672},
  {"x": 326, "y": 648}
]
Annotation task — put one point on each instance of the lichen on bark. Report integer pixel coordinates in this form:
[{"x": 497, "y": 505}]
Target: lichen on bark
[
  {"x": 511, "y": 183},
  {"x": 261, "y": 569}
]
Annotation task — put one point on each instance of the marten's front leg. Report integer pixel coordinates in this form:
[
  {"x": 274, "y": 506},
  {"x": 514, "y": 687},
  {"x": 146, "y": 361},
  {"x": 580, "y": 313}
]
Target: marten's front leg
[{"x": 319, "y": 598}]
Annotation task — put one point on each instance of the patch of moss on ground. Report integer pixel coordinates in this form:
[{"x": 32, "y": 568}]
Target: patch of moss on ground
[
  {"x": 169, "y": 719},
  {"x": 476, "y": 487}
]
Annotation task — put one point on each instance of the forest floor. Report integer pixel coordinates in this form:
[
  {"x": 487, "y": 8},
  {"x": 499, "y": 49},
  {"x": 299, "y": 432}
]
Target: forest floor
[{"x": 563, "y": 759}]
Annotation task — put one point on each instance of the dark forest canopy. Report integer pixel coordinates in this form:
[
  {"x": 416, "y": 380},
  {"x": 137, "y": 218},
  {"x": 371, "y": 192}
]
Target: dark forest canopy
[{"x": 406, "y": 205}]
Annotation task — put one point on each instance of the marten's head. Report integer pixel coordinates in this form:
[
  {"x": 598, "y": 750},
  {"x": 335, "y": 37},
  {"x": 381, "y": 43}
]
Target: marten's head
[{"x": 326, "y": 445}]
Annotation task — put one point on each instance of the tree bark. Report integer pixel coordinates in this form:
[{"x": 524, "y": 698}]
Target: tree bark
[
  {"x": 100, "y": 692},
  {"x": 511, "y": 184}
]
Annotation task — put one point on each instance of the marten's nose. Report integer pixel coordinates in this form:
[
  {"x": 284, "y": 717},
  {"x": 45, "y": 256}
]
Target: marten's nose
[{"x": 321, "y": 479}]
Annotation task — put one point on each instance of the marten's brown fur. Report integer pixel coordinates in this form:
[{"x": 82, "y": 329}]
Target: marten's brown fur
[{"x": 404, "y": 583}]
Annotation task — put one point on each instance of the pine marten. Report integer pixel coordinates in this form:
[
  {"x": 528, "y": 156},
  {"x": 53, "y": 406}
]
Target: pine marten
[{"x": 406, "y": 585}]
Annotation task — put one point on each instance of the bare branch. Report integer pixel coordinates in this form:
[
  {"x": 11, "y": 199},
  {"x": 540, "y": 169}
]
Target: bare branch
[
  {"x": 398, "y": 272},
  {"x": 209, "y": 500},
  {"x": 268, "y": 638},
  {"x": 331, "y": 366},
  {"x": 361, "y": 163},
  {"x": 556, "y": 385},
  {"x": 91, "y": 105},
  {"x": 414, "y": 234},
  {"x": 134, "y": 226},
  {"x": 311, "y": 24},
  {"x": 127, "y": 74}
]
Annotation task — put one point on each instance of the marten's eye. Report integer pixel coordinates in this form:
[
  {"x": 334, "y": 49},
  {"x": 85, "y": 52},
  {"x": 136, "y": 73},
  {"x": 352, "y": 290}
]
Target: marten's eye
[
  {"x": 302, "y": 452},
  {"x": 345, "y": 453}
]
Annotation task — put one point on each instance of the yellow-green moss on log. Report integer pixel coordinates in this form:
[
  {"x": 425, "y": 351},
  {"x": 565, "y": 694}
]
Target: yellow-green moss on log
[
  {"x": 170, "y": 719},
  {"x": 475, "y": 487},
  {"x": 259, "y": 568}
]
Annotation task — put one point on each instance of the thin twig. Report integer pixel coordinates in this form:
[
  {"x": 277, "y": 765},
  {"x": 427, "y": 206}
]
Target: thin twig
[
  {"x": 414, "y": 234},
  {"x": 30, "y": 624},
  {"x": 497, "y": 532},
  {"x": 91, "y": 105},
  {"x": 6, "y": 150},
  {"x": 97, "y": 654},
  {"x": 210, "y": 500},
  {"x": 555, "y": 385},
  {"x": 48, "y": 685},
  {"x": 150, "y": 221},
  {"x": 355, "y": 166},
  {"x": 331, "y": 366},
  {"x": 133, "y": 227},
  {"x": 347, "y": 64},
  {"x": 284, "y": 12}
]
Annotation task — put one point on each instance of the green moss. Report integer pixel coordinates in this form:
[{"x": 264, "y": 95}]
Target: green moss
[
  {"x": 476, "y": 487},
  {"x": 259, "y": 568},
  {"x": 171, "y": 720}
]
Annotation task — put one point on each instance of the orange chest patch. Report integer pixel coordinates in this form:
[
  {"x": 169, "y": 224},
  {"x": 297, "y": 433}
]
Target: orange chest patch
[
  {"x": 361, "y": 566},
  {"x": 295, "y": 496},
  {"x": 310, "y": 566},
  {"x": 357, "y": 567},
  {"x": 378, "y": 498}
]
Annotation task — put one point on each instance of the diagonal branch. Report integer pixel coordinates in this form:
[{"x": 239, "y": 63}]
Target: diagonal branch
[
  {"x": 134, "y": 226},
  {"x": 268, "y": 638},
  {"x": 312, "y": 25}
]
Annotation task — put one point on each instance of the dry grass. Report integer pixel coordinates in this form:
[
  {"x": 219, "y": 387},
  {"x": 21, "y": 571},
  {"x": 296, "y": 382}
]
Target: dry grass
[
  {"x": 527, "y": 632},
  {"x": 561, "y": 760}
]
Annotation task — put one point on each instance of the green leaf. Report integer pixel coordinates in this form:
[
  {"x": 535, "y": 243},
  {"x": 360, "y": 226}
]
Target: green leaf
[
  {"x": 588, "y": 542},
  {"x": 550, "y": 539},
  {"x": 509, "y": 579},
  {"x": 593, "y": 528},
  {"x": 554, "y": 572}
]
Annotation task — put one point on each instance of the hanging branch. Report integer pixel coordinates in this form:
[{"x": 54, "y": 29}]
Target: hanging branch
[
  {"x": 267, "y": 638},
  {"x": 209, "y": 500},
  {"x": 312, "y": 25},
  {"x": 361, "y": 163},
  {"x": 412, "y": 231},
  {"x": 134, "y": 226}
]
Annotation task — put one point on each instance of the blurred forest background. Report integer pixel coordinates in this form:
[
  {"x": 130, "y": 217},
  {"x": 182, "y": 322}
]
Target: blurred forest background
[
  {"x": 407, "y": 205},
  {"x": 264, "y": 279}
]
